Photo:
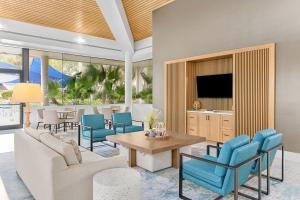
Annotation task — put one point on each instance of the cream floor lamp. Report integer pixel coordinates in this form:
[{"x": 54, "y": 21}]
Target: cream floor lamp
[{"x": 26, "y": 93}]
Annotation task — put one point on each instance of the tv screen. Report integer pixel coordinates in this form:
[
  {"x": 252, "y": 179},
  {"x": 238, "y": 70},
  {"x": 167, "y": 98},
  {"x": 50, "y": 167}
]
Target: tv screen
[{"x": 214, "y": 86}]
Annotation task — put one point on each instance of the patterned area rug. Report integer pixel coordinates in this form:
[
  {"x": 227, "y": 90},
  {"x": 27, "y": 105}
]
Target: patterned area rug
[{"x": 162, "y": 184}]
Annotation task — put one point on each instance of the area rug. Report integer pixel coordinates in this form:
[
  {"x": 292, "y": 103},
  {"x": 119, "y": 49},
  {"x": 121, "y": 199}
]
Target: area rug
[{"x": 162, "y": 184}]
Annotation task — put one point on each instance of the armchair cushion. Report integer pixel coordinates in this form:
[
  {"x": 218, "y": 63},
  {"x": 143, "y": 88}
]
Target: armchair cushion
[
  {"x": 203, "y": 171},
  {"x": 98, "y": 134},
  {"x": 239, "y": 155},
  {"x": 93, "y": 121},
  {"x": 268, "y": 144},
  {"x": 122, "y": 118},
  {"x": 129, "y": 129},
  {"x": 260, "y": 136},
  {"x": 227, "y": 150}
]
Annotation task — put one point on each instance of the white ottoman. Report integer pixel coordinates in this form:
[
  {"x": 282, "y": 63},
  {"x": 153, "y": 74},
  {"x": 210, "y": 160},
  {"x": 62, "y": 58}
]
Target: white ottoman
[{"x": 117, "y": 184}]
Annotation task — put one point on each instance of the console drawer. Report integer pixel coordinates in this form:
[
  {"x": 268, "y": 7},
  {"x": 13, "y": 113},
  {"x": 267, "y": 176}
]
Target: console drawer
[
  {"x": 192, "y": 118},
  {"x": 227, "y": 134},
  {"x": 227, "y": 122}
]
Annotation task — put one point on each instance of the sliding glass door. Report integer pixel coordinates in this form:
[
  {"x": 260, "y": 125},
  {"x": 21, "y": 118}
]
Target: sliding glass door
[{"x": 10, "y": 74}]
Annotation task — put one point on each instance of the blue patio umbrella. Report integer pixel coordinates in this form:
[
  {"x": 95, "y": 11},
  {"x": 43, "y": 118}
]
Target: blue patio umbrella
[
  {"x": 53, "y": 74},
  {"x": 4, "y": 65},
  {"x": 35, "y": 73}
]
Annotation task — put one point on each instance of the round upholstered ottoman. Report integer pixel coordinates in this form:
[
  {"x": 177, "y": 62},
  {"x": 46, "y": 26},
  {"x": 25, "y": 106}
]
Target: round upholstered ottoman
[{"x": 117, "y": 184}]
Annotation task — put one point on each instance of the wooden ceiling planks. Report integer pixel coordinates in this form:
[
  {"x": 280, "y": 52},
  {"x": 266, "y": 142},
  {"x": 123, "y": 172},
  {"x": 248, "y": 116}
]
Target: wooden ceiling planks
[
  {"x": 81, "y": 16},
  {"x": 139, "y": 15}
]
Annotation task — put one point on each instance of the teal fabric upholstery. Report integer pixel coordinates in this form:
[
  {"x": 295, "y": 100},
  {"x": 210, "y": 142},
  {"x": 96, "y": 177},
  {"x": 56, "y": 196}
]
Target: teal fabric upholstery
[
  {"x": 204, "y": 174},
  {"x": 227, "y": 150},
  {"x": 260, "y": 136},
  {"x": 94, "y": 121},
  {"x": 122, "y": 118},
  {"x": 239, "y": 155},
  {"x": 268, "y": 144},
  {"x": 129, "y": 129},
  {"x": 203, "y": 171},
  {"x": 122, "y": 123},
  {"x": 98, "y": 134}
]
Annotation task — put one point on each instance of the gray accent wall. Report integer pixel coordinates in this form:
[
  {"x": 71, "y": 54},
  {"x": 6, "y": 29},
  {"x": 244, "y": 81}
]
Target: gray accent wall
[{"x": 187, "y": 28}]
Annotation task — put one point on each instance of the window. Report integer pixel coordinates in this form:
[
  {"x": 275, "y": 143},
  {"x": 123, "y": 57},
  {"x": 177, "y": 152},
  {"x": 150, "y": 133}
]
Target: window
[
  {"x": 142, "y": 82},
  {"x": 74, "y": 79},
  {"x": 10, "y": 75}
]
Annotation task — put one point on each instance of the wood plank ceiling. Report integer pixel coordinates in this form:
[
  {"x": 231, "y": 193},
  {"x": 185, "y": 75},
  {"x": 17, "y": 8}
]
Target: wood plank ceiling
[
  {"x": 81, "y": 16},
  {"x": 139, "y": 15}
]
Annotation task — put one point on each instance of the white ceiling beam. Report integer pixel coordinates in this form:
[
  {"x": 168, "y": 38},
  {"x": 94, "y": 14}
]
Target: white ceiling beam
[
  {"x": 37, "y": 37},
  {"x": 23, "y": 28},
  {"x": 115, "y": 16}
]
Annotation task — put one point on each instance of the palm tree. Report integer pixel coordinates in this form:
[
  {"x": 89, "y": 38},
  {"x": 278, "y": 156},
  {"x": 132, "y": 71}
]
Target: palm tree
[{"x": 54, "y": 91}]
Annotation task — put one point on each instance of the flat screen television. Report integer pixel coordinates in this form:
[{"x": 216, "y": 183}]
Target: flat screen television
[{"x": 214, "y": 86}]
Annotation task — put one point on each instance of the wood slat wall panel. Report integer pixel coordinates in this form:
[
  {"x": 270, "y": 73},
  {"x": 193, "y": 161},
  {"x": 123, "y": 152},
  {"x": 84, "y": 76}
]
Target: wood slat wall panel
[
  {"x": 208, "y": 67},
  {"x": 252, "y": 80},
  {"x": 139, "y": 15},
  {"x": 175, "y": 106},
  {"x": 81, "y": 16}
]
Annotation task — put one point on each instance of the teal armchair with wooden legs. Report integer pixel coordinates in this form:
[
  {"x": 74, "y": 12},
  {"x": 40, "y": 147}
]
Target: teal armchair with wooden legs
[
  {"x": 122, "y": 123},
  {"x": 92, "y": 128},
  {"x": 224, "y": 174}
]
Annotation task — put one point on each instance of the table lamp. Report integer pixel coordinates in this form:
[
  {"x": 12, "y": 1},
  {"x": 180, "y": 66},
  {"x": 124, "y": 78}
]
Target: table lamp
[{"x": 26, "y": 93}]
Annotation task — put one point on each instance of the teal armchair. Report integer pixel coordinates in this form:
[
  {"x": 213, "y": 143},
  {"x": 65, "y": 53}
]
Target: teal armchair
[
  {"x": 224, "y": 174},
  {"x": 269, "y": 142},
  {"x": 93, "y": 128},
  {"x": 122, "y": 123}
]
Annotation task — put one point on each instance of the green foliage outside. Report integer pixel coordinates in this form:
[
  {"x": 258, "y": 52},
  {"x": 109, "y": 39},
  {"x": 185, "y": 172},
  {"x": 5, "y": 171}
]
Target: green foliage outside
[
  {"x": 94, "y": 85},
  {"x": 6, "y": 94}
]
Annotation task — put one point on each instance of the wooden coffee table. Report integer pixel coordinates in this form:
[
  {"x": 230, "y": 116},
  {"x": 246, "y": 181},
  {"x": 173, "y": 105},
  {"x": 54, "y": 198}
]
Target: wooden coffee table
[{"x": 139, "y": 142}]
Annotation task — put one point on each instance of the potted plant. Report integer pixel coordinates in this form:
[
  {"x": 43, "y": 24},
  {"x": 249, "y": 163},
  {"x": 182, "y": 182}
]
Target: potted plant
[{"x": 152, "y": 118}]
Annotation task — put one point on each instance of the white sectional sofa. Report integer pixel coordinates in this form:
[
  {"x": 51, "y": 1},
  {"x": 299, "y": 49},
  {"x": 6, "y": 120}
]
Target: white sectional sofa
[{"x": 47, "y": 175}]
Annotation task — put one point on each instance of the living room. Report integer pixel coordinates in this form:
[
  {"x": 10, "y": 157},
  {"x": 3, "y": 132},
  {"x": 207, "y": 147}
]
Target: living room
[{"x": 158, "y": 99}]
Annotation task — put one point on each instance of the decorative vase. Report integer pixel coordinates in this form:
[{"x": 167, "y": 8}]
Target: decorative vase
[{"x": 196, "y": 105}]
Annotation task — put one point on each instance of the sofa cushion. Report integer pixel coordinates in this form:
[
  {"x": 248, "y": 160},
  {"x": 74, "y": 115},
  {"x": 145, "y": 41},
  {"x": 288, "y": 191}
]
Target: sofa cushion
[
  {"x": 129, "y": 129},
  {"x": 64, "y": 149},
  {"x": 203, "y": 171},
  {"x": 34, "y": 133},
  {"x": 260, "y": 136},
  {"x": 226, "y": 152},
  {"x": 99, "y": 134}
]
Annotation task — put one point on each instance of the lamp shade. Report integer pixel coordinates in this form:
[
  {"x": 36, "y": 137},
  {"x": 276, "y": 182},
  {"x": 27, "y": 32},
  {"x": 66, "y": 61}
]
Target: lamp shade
[{"x": 26, "y": 93}]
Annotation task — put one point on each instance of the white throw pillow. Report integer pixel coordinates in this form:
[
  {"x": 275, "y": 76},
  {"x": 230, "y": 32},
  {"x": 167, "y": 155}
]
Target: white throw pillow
[
  {"x": 75, "y": 147},
  {"x": 34, "y": 133},
  {"x": 64, "y": 149}
]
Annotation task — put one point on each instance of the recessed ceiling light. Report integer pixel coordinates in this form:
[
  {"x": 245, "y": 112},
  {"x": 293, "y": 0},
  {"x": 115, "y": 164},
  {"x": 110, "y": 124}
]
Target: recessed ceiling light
[
  {"x": 80, "y": 40},
  {"x": 1, "y": 26},
  {"x": 6, "y": 41}
]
